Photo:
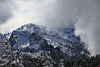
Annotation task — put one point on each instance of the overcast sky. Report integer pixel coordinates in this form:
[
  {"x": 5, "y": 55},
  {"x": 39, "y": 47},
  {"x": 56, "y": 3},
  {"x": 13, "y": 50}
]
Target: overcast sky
[{"x": 84, "y": 15}]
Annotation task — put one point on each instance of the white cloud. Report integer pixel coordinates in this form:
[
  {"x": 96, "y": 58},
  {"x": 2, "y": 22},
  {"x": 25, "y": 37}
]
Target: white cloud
[
  {"x": 28, "y": 11},
  {"x": 83, "y": 14}
]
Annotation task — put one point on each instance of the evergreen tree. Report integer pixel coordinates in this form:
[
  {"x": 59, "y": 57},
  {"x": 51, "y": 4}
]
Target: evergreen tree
[
  {"x": 17, "y": 62},
  {"x": 61, "y": 64},
  {"x": 8, "y": 57},
  {"x": 6, "y": 54}
]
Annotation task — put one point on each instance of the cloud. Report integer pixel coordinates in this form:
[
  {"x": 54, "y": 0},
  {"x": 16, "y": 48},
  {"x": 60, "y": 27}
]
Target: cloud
[
  {"x": 84, "y": 15},
  {"x": 88, "y": 26},
  {"x": 6, "y": 8},
  {"x": 28, "y": 11}
]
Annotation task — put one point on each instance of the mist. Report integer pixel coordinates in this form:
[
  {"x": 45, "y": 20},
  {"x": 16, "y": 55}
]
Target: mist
[{"x": 84, "y": 15}]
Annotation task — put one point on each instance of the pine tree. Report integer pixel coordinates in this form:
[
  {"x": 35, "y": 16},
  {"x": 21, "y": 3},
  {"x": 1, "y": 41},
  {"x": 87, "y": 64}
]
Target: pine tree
[
  {"x": 61, "y": 64},
  {"x": 6, "y": 56},
  {"x": 0, "y": 45},
  {"x": 17, "y": 54}
]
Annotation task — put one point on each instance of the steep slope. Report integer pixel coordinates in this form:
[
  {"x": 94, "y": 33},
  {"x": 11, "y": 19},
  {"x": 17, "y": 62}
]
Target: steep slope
[{"x": 39, "y": 41}]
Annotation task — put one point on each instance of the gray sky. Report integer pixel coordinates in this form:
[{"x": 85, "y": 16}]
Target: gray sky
[
  {"x": 6, "y": 10},
  {"x": 84, "y": 15}
]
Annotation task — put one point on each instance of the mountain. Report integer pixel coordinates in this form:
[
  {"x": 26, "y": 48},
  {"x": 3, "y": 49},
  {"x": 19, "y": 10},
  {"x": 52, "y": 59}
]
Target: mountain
[{"x": 40, "y": 41}]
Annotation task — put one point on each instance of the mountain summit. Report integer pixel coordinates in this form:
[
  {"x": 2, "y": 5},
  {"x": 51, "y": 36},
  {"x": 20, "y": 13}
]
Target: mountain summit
[{"x": 60, "y": 42}]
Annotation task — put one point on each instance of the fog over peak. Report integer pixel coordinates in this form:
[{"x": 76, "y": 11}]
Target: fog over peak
[{"x": 84, "y": 15}]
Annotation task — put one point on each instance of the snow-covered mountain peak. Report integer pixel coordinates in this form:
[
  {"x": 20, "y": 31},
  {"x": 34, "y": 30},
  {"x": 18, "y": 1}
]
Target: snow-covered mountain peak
[
  {"x": 34, "y": 38},
  {"x": 29, "y": 27}
]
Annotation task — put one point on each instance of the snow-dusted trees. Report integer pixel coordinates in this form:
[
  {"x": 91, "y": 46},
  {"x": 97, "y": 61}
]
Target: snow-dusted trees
[
  {"x": 17, "y": 62},
  {"x": 6, "y": 54},
  {"x": 61, "y": 64},
  {"x": 1, "y": 45},
  {"x": 9, "y": 57}
]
